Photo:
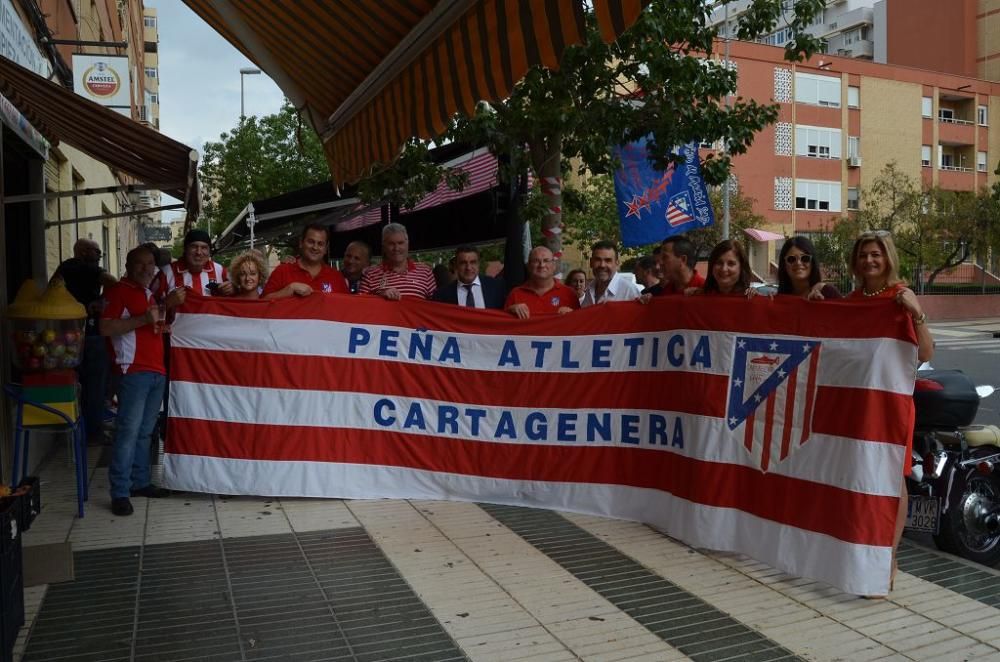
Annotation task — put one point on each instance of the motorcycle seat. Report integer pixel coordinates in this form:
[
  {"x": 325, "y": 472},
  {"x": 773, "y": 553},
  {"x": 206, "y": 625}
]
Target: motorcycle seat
[{"x": 982, "y": 435}]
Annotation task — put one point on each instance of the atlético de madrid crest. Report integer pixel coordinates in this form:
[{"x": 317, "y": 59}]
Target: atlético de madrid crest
[{"x": 772, "y": 393}]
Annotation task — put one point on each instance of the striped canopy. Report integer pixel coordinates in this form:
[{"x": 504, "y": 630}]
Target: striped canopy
[{"x": 370, "y": 75}]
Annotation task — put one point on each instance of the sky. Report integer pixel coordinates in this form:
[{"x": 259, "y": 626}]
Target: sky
[{"x": 200, "y": 80}]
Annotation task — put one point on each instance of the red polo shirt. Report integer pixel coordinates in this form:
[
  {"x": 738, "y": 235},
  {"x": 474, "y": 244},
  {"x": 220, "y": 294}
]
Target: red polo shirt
[
  {"x": 547, "y": 303},
  {"x": 697, "y": 280},
  {"x": 327, "y": 281},
  {"x": 139, "y": 350}
]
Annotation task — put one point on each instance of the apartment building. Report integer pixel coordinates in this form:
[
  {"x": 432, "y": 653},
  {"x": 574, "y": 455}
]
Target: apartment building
[
  {"x": 846, "y": 26},
  {"x": 150, "y": 223},
  {"x": 841, "y": 120}
]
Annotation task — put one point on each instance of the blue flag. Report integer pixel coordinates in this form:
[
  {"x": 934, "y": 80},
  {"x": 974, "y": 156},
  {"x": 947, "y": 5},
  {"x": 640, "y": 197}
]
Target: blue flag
[{"x": 653, "y": 204}]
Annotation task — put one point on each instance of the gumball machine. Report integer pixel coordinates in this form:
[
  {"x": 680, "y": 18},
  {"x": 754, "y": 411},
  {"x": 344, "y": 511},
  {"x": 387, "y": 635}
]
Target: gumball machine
[{"x": 46, "y": 328}]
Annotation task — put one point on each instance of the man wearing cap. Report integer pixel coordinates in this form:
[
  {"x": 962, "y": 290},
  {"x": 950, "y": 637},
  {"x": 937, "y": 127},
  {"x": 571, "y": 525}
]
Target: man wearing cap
[
  {"x": 196, "y": 270},
  {"x": 130, "y": 319}
]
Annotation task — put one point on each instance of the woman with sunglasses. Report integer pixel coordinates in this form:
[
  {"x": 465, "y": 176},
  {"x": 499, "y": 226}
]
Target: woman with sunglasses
[
  {"x": 798, "y": 271},
  {"x": 876, "y": 268}
]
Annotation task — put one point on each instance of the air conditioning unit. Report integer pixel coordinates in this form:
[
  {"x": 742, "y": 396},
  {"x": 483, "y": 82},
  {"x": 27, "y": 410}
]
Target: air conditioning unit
[{"x": 853, "y": 161}]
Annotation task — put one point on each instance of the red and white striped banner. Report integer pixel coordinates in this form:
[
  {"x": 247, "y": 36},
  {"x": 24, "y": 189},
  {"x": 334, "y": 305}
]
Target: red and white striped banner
[{"x": 777, "y": 429}]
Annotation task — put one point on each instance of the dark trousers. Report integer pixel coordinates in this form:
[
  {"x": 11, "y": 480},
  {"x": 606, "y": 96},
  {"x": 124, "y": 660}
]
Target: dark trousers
[{"x": 93, "y": 373}]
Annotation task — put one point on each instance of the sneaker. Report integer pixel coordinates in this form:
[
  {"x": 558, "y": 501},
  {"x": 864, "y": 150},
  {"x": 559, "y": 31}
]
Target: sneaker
[
  {"x": 121, "y": 506},
  {"x": 150, "y": 492}
]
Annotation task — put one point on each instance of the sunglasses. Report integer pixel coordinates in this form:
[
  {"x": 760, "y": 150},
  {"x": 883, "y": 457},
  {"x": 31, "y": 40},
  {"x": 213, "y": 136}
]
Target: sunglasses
[{"x": 805, "y": 258}]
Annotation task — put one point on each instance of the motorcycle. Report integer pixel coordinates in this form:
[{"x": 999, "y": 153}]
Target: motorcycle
[{"x": 954, "y": 487}]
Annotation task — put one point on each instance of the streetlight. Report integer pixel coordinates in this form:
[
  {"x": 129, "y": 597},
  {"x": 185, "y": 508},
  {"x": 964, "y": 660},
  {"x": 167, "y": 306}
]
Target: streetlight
[{"x": 246, "y": 71}]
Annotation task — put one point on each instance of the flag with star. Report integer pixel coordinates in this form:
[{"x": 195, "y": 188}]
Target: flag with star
[
  {"x": 772, "y": 392},
  {"x": 653, "y": 204}
]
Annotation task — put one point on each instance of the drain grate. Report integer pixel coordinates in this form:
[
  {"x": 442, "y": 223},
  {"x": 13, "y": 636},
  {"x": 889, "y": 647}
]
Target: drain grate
[
  {"x": 682, "y": 619},
  {"x": 321, "y": 595},
  {"x": 958, "y": 576}
]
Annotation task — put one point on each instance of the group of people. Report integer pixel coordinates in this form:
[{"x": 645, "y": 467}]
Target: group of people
[{"x": 133, "y": 311}]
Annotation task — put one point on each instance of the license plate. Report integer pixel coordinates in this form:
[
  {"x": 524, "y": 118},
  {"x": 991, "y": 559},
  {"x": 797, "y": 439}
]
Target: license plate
[{"x": 923, "y": 514}]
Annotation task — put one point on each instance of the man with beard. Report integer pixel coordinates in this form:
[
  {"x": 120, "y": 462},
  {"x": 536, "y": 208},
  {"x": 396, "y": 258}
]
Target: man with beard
[
  {"x": 309, "y": 273},
  {"x": 196, "y": 270},
  {"x": 134, "y": 322},
  {"x": 607, "y": 284}
]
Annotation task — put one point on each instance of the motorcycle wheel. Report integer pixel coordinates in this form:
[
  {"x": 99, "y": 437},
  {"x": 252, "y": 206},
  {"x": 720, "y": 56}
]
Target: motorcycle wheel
[{"x": 960, "y": 533}]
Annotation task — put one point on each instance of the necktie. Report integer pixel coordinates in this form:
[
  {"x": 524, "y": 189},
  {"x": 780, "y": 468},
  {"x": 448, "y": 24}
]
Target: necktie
[{"x": 470, "y": 300}]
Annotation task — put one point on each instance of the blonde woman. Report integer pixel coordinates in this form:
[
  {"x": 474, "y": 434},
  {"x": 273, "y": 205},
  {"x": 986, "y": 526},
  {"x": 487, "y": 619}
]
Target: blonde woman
[
  {"x": 249, "y": 273},
  {"x": 876, "y": 269}
]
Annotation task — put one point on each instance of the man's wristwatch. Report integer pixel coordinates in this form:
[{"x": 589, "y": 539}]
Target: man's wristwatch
[{"x": 917, "y": 321}]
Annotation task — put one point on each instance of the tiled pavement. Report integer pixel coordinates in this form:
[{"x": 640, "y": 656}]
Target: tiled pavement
[{"x": 199, "y": 577}]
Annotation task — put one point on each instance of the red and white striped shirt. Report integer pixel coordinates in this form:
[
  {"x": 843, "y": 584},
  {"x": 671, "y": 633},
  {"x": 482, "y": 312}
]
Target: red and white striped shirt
[
  {"x": 178, "y": 275},
  {"x": 418, "y": 280},
  {"x": 139, "y": 350}
]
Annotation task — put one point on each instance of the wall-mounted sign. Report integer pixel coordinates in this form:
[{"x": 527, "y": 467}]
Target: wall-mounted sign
[
  {"x": 18, "y": 44},
  {"x": 105, "y": 80}
]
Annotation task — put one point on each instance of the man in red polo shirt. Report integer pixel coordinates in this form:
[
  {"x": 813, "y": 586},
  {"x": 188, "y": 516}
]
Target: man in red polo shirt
[
  {"x": 398, "y": 276},
  {"x": 130, "y": 318},
  {"x": 677, "y": 258},
  {"x": 309, "y": 273},
  {"x": 541, "y": 294}
]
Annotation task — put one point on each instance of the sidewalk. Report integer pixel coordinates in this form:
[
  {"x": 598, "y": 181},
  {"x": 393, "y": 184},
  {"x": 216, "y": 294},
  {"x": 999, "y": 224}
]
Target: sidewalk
[{"x": 201, "y": 577}]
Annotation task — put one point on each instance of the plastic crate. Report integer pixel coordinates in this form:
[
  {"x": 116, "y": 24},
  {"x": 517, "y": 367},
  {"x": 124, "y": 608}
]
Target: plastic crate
[
  {"x": 31, "y": 501},
  {"x": 11, "y": 575}
]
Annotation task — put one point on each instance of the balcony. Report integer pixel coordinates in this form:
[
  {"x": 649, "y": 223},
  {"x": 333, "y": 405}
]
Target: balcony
[
  {"x": 956, "y": 132},
  {"x": 848, "y": 20}
]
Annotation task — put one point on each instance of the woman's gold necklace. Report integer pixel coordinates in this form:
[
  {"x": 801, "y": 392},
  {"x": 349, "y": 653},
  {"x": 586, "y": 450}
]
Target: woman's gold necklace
[{"x": 875, "y": 293}]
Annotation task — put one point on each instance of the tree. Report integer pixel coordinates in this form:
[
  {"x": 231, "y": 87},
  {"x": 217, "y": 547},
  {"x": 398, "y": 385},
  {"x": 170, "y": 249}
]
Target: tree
[
  {"x": 260, "y": 158},
  {"x": 934, "y": 229},
  {"x": 657, "y": 80}
]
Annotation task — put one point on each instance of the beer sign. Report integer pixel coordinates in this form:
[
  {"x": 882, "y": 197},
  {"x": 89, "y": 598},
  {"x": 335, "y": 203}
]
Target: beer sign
[{"x": 105, "y": 80}]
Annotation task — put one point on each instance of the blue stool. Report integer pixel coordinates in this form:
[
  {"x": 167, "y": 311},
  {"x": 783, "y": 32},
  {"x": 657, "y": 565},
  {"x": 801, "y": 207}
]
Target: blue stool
[{"x": 21, "y": 440}]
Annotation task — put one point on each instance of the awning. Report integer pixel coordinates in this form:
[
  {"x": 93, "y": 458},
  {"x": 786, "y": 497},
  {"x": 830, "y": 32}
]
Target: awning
[
  {"x": 370, "y": 75},
  {"x": 763, "y": 235},
  {"x": 443, "y": 218},
  {"x": 125, "y": 145}
]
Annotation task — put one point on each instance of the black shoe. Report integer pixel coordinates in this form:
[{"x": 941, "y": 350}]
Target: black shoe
[
  {"x": 150, "y": 492},
  {"x": 121, "y": 506}
]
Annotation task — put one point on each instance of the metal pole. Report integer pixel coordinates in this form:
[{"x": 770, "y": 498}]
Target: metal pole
[
  {"x": 251, "y": 221},
  {"x": 725, "y": 146},
  {"x": 242, "y": 113}
]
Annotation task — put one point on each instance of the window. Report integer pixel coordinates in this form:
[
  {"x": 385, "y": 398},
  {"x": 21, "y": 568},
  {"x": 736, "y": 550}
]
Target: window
[
  {"x": 982, "y": 115},
  {"x": 149, "y": 21},
  {"x": 817, "y": 90},
  {"x": 151, "y": 72},
  {"x": 817, "y": 142},
  {"x": 927, "y": 107},
  {"x": 853, "y": 199},
  {"x": 946, "y": 114},
  {"x": 853, "y": 147},
  {"x": 925, "y": 156},
  {"x": 817, "y": 196},
  {"x": 981, "y": 161},
  {"x": 153, "y": 98},
  {"x": 853, "y": 97}
]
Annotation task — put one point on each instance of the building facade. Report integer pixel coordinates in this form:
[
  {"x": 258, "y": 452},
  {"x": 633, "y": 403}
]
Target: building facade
[{"x": 842, "y": 120}]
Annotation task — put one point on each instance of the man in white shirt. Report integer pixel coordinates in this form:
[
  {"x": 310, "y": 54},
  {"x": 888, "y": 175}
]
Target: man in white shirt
[{"x": 607, "y": 284}]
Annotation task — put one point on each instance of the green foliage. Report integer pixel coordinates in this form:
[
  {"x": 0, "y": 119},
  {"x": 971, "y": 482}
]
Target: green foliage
[
  {"x": 658, "y": 79},
  {"x": 934, "y": 230},
  {"x": 260, "y": 158}
]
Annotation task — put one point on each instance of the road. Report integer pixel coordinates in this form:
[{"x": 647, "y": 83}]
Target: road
[{"x": 971, "y": 348}]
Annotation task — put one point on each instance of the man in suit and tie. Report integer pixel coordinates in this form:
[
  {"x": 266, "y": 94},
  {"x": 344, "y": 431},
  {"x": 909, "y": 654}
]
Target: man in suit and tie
[{"x": 471, "y": 289}]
